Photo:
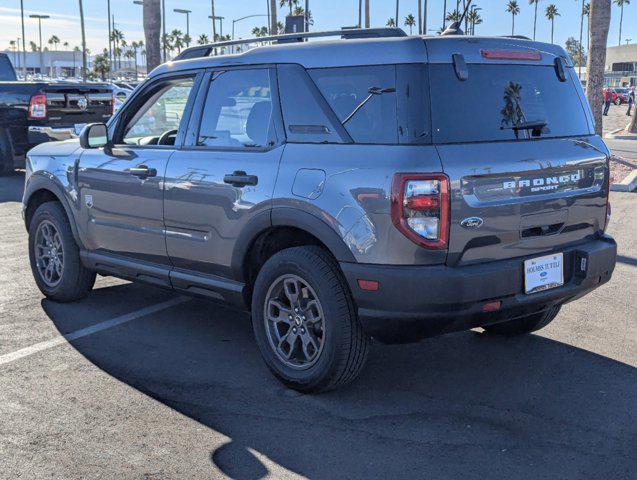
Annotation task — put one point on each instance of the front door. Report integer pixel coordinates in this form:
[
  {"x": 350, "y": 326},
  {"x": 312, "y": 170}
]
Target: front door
[
  {"x": 223, "y": 177},
  {"x": 121, "y": 186}
]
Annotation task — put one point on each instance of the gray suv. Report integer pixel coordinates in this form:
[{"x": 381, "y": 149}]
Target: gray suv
[{"x": 393, "y": 188}]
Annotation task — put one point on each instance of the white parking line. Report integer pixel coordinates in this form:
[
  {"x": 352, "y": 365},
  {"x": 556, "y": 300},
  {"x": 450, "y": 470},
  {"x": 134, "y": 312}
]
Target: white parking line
[{"x": 83, "y": 332}]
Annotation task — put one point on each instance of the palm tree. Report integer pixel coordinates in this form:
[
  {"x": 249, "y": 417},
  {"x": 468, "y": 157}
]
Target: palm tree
[
  {"x": 514, "y": 9},
  {"x": 76, "y": 50},
  {"x": 551, "y": 12},
  {"x": 453, "y": 16},
  {"x": 135, "y": 46},
  {"x": 34, "y": 46},
  {"x": 410, "y": 21},
  {"x": 474, "y": 19},
  {"x": 177, "y": 38},
  {"x": 273, "y": 18},
  {"x": 203, "y": 39},
  {"x": 166, "y": 41},
  {"x": 390, "y": 22},
  {"x": 599, "y": 23},
  {"x": 101, "y": 66},
  {"x": 620, "y": 4},
  {"x": 289, "y": 3},
  {"x": 152, "y": 32},
  {"x": 531, "y": 2},
  {"x": 367, "y": 19},
  {"x": 54, "y": 41}
]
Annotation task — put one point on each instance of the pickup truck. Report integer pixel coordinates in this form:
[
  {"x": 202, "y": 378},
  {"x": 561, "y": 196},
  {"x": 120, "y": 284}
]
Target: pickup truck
[{"x": 36, "y": 112}]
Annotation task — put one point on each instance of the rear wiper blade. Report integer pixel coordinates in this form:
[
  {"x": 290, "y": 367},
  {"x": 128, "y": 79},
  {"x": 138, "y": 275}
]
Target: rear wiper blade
[
  {"x": 372, "y": 91},
  {"x": 535, "y": 125}
]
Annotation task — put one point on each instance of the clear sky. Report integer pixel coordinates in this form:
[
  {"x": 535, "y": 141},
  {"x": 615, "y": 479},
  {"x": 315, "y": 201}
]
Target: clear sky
[{"x": 328, "y": 14}]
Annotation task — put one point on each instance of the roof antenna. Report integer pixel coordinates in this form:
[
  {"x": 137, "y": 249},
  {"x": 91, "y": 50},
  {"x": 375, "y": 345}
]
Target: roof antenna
[{"x": 455, "y": 27}]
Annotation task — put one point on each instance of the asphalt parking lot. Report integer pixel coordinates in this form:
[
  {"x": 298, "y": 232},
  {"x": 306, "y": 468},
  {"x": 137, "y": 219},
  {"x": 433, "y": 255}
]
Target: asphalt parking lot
[{"x": 152, "y": 385}]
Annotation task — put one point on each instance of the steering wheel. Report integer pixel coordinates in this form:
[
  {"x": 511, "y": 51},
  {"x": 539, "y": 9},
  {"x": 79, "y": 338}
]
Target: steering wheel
[{"x": 165, "y": 136}]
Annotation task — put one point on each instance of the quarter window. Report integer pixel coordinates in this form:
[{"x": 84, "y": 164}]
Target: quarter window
[
  {"x": 364, "y": 100},
  {"x": 238, "y": 110}
]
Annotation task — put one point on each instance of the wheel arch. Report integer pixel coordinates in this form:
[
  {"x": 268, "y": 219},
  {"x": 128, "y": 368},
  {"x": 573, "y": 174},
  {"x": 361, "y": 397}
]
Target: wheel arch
[
  {"x": 41, "y": 190},
  {"x": 277, "y": 230}
]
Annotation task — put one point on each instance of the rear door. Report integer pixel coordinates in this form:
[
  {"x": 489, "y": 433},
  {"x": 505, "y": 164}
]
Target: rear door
[
  {"x": 517, "y": 189},
  {"x": 121, "y": 186},
  {"x": 223, "y": 178}
]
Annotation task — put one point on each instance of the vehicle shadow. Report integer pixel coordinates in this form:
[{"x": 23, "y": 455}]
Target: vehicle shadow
[
  {"x": 11, "y": 187},
  {"x": 467, "y": 405}
]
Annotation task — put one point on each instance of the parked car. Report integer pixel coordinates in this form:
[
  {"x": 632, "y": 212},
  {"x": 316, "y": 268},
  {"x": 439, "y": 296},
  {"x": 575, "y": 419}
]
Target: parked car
[
  {"x": 393, "y": 187},
  {"x": 619, "y": 95},
  {"x": 39, "y": 111}
]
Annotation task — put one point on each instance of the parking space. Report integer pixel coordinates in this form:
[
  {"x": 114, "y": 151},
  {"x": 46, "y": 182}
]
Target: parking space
[{"x": 160, "y": 386}]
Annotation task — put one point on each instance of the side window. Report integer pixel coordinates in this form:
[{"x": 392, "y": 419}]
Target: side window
[
  {"x": 238, "y": 110},
  {"x": 364, "y": 100},
  {"x": 160, "y": 114},
  {"x": 307, "y": 118}
]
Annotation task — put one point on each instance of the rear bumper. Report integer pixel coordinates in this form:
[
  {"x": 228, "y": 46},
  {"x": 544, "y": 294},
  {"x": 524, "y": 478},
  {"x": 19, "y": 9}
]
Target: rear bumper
[
  {"x": 413, "y": 302},
  {"x": 41, "y": 134}
]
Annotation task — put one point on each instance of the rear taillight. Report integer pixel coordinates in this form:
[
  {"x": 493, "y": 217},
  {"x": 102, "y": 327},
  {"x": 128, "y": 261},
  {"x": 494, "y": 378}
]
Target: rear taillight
[
  {"x": 420, "y": 208},
  {"x": 37, "y": 106}
]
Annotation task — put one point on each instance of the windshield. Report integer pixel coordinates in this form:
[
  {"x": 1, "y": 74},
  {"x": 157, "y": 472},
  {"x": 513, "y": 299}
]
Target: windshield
[{"x": 503, "y": 102}]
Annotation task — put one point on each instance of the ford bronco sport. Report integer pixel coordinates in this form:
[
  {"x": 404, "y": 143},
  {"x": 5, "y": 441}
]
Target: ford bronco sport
[{"x": 390, "y": 187}]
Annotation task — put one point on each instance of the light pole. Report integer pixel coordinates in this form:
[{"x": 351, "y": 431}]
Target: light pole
[
  {"x": 220, "y": 24},
  {"x": 214, "y": 27},
  {"x": 110, "y": 50},
  {"x": 187, "y": 13},
  {"x": 40, "y": 18},
  {"x": 237, "y": 20},
  {"x": 24, "y": 46}
]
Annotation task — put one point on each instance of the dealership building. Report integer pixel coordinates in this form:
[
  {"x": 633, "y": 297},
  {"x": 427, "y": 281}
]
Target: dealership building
[{"x": 621, "y": 66}]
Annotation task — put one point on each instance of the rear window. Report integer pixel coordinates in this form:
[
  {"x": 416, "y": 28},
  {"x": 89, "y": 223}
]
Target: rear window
[{"x": 496, "y": 98}]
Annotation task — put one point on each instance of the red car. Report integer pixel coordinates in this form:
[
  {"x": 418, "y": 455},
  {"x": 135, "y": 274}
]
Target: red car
[{"x": 619, "y": 95}]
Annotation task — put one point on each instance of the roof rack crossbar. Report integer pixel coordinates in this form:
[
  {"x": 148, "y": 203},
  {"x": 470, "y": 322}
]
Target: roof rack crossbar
[{"x": 345, "y": 33}]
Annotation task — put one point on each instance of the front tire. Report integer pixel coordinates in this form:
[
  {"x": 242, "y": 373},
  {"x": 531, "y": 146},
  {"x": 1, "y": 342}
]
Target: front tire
[
  {"x": 55, "y": 257},
  {"x": 305, "y": 323},
  {"x": 524, "y": 325}
]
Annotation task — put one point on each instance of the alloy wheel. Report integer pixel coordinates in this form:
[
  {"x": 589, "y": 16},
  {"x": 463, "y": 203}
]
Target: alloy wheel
[
  {"x": 294, "y": 322},
  {"x": 49, "y": 253}
]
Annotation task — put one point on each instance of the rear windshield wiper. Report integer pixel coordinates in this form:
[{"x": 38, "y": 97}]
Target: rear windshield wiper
[
  {"x": 372, "y": 91},
  {"x": 535, "y": 125}
]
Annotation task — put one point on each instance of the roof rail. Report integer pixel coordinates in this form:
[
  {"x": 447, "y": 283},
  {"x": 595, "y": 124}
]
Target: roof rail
[{"x": 346, "y": 33}]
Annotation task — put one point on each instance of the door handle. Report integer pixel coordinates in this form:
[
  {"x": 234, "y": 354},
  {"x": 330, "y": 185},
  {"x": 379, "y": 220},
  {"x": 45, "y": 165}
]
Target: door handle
[
  {"x": 239, "y": 178},
  {"x": 142, "y": 171}
]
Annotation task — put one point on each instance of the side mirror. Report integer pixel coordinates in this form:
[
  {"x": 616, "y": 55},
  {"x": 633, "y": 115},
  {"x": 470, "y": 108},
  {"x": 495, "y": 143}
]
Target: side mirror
[{"x": 94, "y": 135}]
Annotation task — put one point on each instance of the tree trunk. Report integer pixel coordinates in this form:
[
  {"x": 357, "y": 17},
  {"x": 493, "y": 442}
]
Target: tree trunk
[
  {"x": 419, "y": 17},
  {"x": 598, "y": 24},
  {"x": 621, "y": 20},
  {"x": 274, "y": 29},
  {"x": 512, "y": 24},
  {"x": 535, "y": 21},
  {"x": 152, "y": 31},
  {"x": 367, "y": 19}
]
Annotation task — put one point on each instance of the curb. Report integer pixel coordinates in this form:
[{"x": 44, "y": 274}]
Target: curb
[
  {"x": 613, "y": 135},
  {"x": 628, "y": 184}
]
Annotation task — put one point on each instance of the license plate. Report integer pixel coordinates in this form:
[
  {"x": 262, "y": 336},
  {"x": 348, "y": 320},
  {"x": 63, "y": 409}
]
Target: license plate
[
  {"x": 543, "y": 273},
  {"x": 79, "y": 127}
]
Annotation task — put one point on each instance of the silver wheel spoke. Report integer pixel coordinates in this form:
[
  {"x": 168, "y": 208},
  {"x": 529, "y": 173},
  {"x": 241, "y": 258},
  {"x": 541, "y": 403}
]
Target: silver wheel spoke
[
  {"x": 292, "y": 290},
  {"x": 283, "y": 314},
  {"x": 307, "y": 343}
]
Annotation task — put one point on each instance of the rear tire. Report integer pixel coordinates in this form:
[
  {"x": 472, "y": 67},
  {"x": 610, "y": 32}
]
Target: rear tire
[
  {"x": 305, "y": 323},
  {"x": 521, "y": 326},
  {"x": 618, "y": 101},
  {"x": 6, "y": 153},
  {"x": 55, "y": 257}
]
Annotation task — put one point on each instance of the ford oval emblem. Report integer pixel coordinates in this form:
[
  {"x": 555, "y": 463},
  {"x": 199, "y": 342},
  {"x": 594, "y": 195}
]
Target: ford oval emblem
[{"x": 472, "y": 222}]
